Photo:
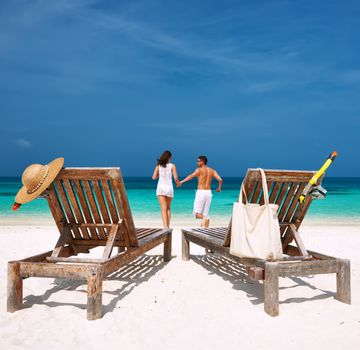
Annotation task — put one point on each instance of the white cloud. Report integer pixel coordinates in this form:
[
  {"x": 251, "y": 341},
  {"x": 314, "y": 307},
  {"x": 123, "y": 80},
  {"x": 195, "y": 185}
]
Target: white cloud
[{"x": 22, "y": 143}]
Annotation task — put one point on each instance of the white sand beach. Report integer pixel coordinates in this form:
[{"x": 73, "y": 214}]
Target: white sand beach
[{"x": 206, "y": 303}]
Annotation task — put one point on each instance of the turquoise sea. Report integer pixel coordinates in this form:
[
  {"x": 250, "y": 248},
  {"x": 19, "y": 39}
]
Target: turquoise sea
[{"x": 342, "y": 203}]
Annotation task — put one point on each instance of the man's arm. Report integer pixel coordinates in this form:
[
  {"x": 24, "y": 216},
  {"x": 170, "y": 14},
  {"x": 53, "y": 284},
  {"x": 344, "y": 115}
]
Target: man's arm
[
  {"x": 219, "y": 179},
  {"x": 190, "y": 177}
]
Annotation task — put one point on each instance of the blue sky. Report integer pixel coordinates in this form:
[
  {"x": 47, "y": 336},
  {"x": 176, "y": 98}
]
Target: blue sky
[{"x": 274, "y": 84}]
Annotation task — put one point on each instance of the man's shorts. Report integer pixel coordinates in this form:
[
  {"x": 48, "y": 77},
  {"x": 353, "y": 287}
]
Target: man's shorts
[{"x": 202, "y": 202}]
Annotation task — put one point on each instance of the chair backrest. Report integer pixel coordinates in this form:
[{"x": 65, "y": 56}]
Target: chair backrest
[
  {"x": 88, "y": 199},
  {"x": 285, "y": 188}
]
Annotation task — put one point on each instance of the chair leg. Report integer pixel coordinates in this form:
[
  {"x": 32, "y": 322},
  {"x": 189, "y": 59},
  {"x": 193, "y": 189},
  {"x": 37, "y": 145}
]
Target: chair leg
[
  {"x": 14, "y": 287},
  {"x": 271, "y": 289},
  {"x": 343, "y": 282},
  {"x": 167, "y": 248},
  {"x": 94, "y": 293},
  {"x": 185, "y": 248}
]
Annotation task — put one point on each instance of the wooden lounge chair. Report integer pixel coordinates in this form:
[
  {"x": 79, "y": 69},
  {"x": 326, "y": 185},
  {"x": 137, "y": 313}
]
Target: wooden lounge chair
[
  {"x": 285, "y": 188},
  {"x": 91, "y": 209}
]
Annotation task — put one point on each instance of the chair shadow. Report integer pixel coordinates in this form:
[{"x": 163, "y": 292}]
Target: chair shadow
[
  {"x": 325, "y": 294},
  {"x": 131, "y": 275},
  {"x": 236, "y": 274}
]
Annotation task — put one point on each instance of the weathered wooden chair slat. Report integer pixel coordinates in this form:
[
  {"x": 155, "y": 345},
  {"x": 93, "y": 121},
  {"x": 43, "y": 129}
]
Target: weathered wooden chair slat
[
  {"x": 282, "y": 194},
  {"x": 270, "y": 187},
  {"x": 124, "y": 211},
  {"x": 84, "y": 208},
  {"x": 210, "y": 232},
  {"x": 286, "y": 217},
  {"x": 147, "y": 233},
  {"x": 91, "y": 209},
  {"x": 100, "y": 201},
  {"x": 109, "y": 200},
  {"x": 76, "y": 208},
  {"x": 250, "y": 188},
  {"x": 275, "y": 192},
  {"x": 287, "y": 199},
  {"x": 69, "y": 218},
  {"x": 257, "y": 192},
  {"x": 285, "y": 188}
]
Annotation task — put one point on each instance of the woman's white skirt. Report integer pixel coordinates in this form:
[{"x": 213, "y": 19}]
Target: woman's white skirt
[{"x": 165, "y": 190}]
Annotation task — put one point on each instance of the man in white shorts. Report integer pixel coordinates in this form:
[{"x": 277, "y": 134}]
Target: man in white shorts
[{"x": 203, "y": 194}]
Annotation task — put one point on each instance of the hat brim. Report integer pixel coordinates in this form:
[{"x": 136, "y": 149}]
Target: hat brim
[{"x": 54, "y": 168}]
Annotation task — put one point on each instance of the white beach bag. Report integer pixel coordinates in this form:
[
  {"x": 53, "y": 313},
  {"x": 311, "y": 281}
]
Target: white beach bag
[{"x": 255, "y": 231}]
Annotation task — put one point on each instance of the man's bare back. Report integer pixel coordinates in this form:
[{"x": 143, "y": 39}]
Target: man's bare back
[{"x": 205, "y": 175}]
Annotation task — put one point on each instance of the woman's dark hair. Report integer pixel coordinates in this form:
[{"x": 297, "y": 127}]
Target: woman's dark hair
[{"x": 164, "y": 159}]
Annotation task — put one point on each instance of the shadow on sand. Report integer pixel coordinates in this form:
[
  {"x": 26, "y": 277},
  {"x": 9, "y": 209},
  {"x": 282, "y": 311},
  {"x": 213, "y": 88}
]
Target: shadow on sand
[
  {"x": 130, "y": 276},
  {"x": 146, "y": 266},
  {"x": 236, "y": 274}
]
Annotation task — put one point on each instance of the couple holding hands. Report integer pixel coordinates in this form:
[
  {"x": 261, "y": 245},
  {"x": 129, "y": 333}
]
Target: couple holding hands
[{"x": 165, "y": 171}]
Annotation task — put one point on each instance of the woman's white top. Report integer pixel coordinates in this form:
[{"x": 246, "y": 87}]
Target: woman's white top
[{"x": 165, "y": 184}]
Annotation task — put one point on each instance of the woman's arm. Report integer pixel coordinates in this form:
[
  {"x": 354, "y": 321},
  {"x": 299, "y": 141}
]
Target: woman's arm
[
  {"x": 173, "y": 169},
  {"x": 156, "y": 173}
]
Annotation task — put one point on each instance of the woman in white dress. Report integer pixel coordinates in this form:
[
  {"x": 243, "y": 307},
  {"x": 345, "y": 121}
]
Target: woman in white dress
[{"x": 165, "y": 171}]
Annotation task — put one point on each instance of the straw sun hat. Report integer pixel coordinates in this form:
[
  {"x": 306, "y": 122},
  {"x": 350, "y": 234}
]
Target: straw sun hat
[{"x": 36, "y": 179}]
